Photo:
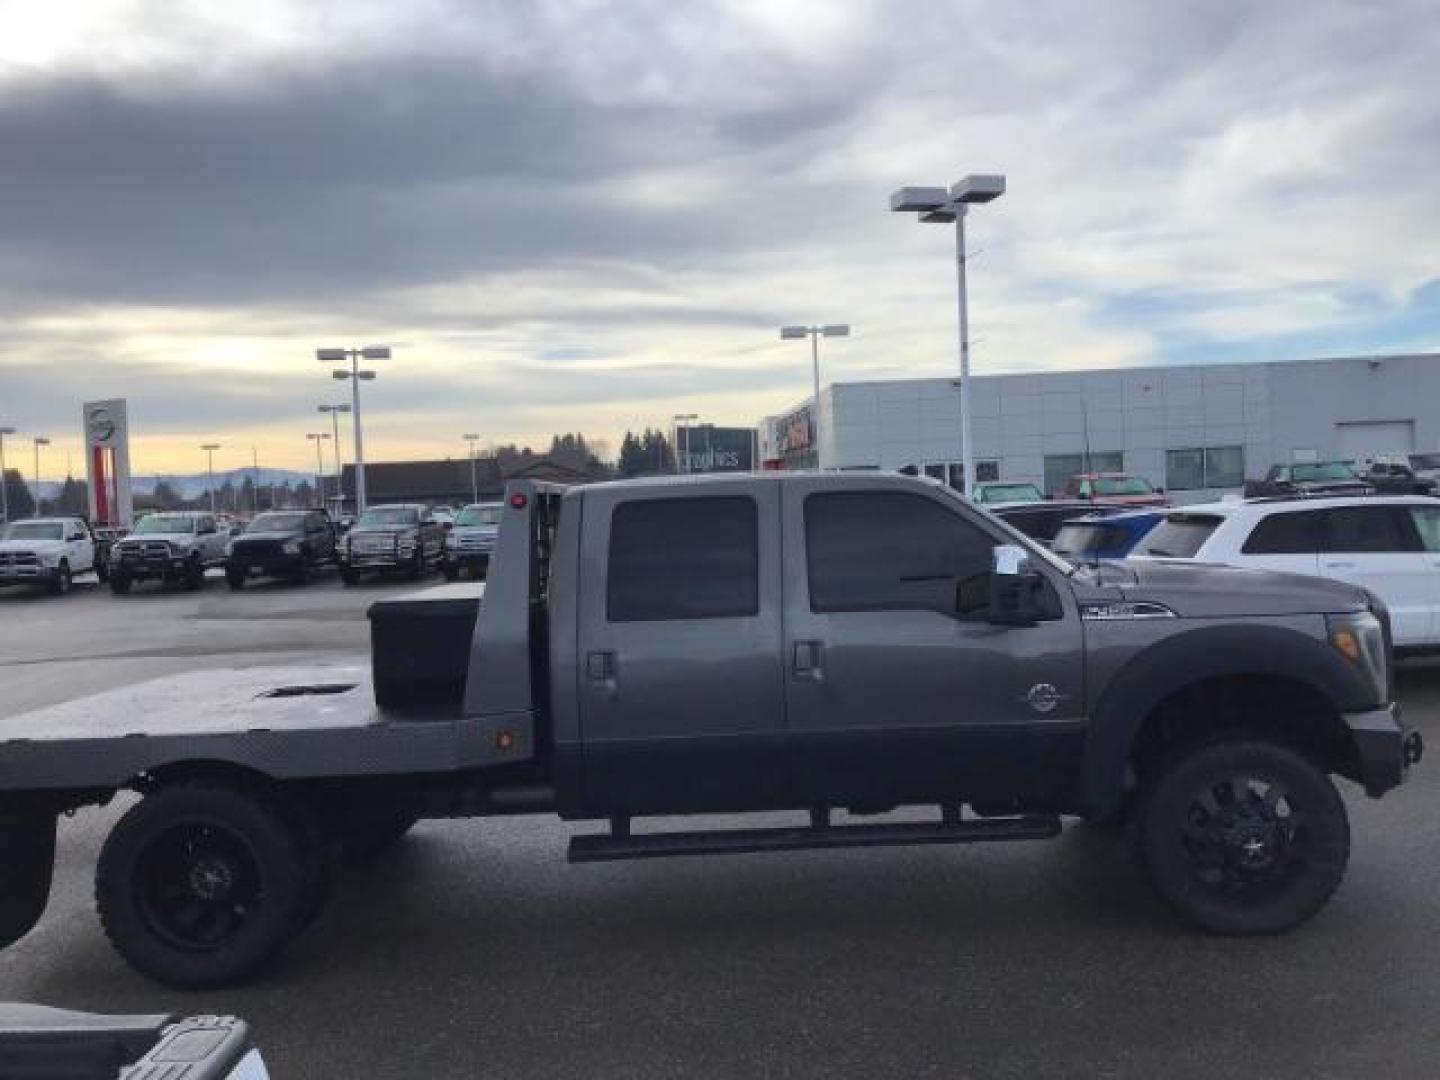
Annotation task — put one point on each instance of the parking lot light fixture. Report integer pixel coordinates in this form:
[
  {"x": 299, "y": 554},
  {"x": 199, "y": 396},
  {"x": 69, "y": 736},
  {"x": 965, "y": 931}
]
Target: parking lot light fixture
[
  {"x": 936, "y": 205},
  {"x": 335, "y": 411},
  {"x": 472, "y": 439},
  {"x": 815, "y": 333},
  {"x": 356, "y": 376},
  {"x": 4, "y": 487},
  {"x": 210, "y": 449},
  {"x": 40, "y": 441},
  {"x": 681, "y": 422},
  {"x": 319, "y": 437}
]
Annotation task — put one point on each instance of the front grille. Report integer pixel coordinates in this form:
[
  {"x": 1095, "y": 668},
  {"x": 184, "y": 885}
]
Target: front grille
[
  {"x": 257, "y": 549},
  {"x": 373, "y": 545},
  {"x": 479, "y": 542},
  {"x": 144, "y": 549},
  {"x": 17, "y": 559}
]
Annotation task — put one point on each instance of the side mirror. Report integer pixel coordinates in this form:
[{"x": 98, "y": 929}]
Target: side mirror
[{"x": 1014, "y": 588}]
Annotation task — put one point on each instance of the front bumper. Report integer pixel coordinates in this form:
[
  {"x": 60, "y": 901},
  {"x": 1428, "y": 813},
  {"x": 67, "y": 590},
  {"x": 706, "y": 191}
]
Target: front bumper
[
  {"x": 27, "y": 575},
  {"x": 270, "y": 565},
  {"x": 137, "y": 567},
  {"x": 1385, "y": 748}
]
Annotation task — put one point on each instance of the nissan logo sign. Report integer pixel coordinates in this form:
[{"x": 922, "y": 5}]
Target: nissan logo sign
[{"x": 101, "y": 425}]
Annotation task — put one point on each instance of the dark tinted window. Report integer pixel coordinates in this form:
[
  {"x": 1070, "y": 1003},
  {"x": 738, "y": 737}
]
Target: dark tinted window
[
  {"x": 1301, "y": 533},
  {"x": 1179, "y": 536},
  {"x": 684, "y": 559},
  {"x": 1083, "y": 540},
  {"x": 1371, "y": 528},
  {"x": 882, "y": 550}
]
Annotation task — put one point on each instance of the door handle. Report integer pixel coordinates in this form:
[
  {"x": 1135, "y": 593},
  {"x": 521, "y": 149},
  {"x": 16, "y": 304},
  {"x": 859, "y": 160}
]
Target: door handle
[
  {"x": 808, "y": 660},
  {"x": 600, "y": 666},
  {"x": 1339, "y": 566}
]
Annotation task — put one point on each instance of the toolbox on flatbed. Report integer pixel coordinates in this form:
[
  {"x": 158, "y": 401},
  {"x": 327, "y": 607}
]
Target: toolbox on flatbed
[{"x": 420, "y": 645}]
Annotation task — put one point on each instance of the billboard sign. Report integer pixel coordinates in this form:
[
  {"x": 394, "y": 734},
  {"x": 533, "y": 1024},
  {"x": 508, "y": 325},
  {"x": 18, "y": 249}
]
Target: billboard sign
[
  {"x": 716, "y": 449},
  {"x": 107, "y": 460}
]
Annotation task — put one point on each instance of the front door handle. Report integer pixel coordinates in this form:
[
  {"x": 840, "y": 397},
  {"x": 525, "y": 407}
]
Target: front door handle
[{"x": 808, "y": 660}]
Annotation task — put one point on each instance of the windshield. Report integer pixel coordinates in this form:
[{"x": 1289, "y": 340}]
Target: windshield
[
  {"x": 996, "y": 493},
  {"x": 166, "y": 523},
  {"x": 276, "y": 523},
  {"x": 1179, "y": 536},
  {"x": 1123, "y": 485},
  {"x": 390, "y": 515},
  {"x": 1334, "y": 470},
  {"x": 480, "y": 515},
  {"x": 1015, "y": 536},
  {"x": 35, "y": 530}
]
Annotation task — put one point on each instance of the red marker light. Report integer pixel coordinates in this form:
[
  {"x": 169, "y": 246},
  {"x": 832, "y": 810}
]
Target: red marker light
[{"x": 518, "y": 500}]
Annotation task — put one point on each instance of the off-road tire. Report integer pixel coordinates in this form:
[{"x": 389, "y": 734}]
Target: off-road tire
[
  {"x": 194, "y": 579},
  {"x": 120, "y": 584},
  {"x": 140, "y": 899},
  {"x": 1203, "y": 822},
  {"x": 61, "y": 582}
]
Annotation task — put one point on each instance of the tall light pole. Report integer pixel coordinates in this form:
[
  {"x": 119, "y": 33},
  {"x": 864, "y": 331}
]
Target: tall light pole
[
  {"x": 935, "y": 205},
  {"x": 40, "y": 441},
  {"x": 4, "y": 478},
  {"x": 319, "y": 437},
  {"x": 472, "y": 439},
  {"x": 815, "y": 333},
  {"x": 335, "y": 411},
  {"x": 682, "y": 422},
  {"x": 355, "y": 375},
  {"x": 210, "y": 449}
]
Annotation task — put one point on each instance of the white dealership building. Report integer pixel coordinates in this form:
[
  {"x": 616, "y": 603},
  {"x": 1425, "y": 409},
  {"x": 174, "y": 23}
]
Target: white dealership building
[{"x": 1197, "y": 431}]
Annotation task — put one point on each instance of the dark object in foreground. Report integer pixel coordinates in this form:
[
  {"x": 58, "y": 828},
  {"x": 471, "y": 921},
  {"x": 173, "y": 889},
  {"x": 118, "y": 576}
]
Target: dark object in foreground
[{"x": 57, "y": 1044}]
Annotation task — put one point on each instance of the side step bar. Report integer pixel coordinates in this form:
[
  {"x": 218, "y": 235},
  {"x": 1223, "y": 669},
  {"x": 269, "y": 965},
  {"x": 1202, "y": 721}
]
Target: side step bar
[{"x": 621, "y": 844}]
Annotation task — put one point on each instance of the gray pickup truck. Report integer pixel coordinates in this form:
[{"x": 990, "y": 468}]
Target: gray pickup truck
[{"x": 825, "y": 644}]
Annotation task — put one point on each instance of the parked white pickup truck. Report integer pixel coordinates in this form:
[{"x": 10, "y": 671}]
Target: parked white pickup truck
[{"x": 47, "y": 552}]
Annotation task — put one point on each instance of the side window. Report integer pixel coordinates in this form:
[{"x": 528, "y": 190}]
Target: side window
[
  {"x": 684, "y": 559},
  {"x": 1372, "y": 529},
  {"x": 205, "y": 525},
  {"x": 887, "y": 550},
  {"x": 1426, "y": 520},
  {"x": 1300, "y": 533}
]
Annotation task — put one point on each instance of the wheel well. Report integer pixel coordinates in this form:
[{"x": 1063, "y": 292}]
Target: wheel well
[
  {"x": 1274, "y": 707},
  {"x": 180, "y": 772}
]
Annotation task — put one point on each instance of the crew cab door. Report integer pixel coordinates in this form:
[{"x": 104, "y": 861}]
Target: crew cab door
[
  {"x": 681, "y": 700},
  {"x": 892, "y": 694}
]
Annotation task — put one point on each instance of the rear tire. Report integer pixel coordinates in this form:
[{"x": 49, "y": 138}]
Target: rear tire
[
  {"x": 199, "y": 885},
  {"x": 1244, "y": 838}
]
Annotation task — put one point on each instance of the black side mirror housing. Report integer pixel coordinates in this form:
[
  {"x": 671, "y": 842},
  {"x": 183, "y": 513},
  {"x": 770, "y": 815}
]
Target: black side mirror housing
[{"x": 1014, "y": 588}]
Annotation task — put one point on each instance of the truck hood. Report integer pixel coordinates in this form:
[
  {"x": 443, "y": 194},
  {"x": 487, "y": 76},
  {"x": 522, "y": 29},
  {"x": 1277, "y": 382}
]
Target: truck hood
[
  {"x": 1208, "y": 591},
  {"x": 178, "y": 539},
  {"x": 39, "y": 547},
  {"x": 268, "y": 537},
  {"x": 382, "y": 530}
]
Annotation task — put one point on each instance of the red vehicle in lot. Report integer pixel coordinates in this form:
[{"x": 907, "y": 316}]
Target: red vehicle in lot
[{"x": 1114, "y": 489}]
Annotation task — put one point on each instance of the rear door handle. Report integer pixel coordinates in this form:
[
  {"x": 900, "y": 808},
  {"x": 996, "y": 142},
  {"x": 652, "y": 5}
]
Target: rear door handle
[
  {"x": 808, "y": 660},
  {"x": 600, "y": 667}
]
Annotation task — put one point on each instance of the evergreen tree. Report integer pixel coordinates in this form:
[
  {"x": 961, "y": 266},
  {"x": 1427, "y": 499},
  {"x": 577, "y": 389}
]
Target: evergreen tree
[{"x": 17, "y": 495}]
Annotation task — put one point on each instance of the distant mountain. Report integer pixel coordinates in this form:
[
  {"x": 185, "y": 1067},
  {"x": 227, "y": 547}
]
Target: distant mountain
[{"x": 194, "y": 486}]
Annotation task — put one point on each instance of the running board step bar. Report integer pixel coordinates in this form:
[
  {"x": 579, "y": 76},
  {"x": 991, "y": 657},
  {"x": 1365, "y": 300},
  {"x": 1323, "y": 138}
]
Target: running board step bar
[{"x": 607, "y": 847}]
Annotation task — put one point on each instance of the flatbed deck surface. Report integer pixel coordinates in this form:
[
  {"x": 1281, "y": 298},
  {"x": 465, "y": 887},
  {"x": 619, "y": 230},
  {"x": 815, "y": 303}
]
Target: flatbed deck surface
[{"x": 285, "y": 722}]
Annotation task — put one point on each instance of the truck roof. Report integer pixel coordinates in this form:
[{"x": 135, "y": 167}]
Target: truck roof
[{"x": 701, "y": 480}]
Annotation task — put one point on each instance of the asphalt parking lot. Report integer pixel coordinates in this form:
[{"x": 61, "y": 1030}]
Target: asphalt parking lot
[{"x": 476, "y": 951}]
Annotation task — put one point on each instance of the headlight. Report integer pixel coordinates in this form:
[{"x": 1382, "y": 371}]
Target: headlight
[
  {"x": 1361, "y": 640},
  {"x": 291, "y": 547}
]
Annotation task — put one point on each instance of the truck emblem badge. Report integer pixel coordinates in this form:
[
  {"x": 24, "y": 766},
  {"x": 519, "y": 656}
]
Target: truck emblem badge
[{"x": 1043, "y": 697}]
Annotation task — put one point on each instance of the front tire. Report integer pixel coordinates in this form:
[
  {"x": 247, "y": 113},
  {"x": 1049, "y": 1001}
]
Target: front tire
[
  {"x": 348, "y": 576},
  {"x": 61, "y": 582},
  {"x": 119, "y": 583},
  {"x": 1244, "y": 838},
  {"x": 194, "y": 574},
  {"x": 200, "y": 885},
  {"x": 235, "y": 579}
]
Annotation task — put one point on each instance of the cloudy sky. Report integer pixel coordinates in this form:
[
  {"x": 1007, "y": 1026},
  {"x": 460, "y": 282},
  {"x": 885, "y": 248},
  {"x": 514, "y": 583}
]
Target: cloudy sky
[{"x": 574, "y": 214}]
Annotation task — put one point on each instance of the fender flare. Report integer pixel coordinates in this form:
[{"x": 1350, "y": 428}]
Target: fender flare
[{"x": 1194, "y": 656}]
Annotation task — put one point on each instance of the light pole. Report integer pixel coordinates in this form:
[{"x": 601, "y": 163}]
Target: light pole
[
  {"x": 210, "y": 449},
  {"x": 4, "y": 479},
  {"x": 355, "y": 375},
  {"x": 319, "y": 437},
  {"x": 40, "y": 441},
  {"x": 815, "y": 333},
  {"x": 682, "y": 422},
  {"x": 935, "y": 205},
  {"x": 472, "y": 439},
  {"x": 335, "y": 411}
]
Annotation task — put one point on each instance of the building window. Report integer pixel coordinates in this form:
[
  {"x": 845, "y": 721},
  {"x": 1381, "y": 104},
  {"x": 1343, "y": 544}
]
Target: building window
[
  {"x": 684, "y": 559},
  {"x": 1208, "y": 467},
  {"x": 889, "y": 551},
  {"x": 1059, "y": 468},
  {"x": 986, "y": 471}
]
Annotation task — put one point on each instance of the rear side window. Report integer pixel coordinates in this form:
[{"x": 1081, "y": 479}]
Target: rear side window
[
  {"x": 1179, "y": 536},
  {"x": 889, "y": 550},
  {"x": 1371, "y": 529},
  {"x": 1427, "y": 524},
  {"x": 683, "y": 559},
  {"x": 1086, "y": 539},
  {"x": 1301, "y": 533}
]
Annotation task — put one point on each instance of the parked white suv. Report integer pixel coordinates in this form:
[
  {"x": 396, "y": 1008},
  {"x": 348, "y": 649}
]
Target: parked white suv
[
  {"x": 1389, "y": 545},
  {"x": 47, "y": 552}
]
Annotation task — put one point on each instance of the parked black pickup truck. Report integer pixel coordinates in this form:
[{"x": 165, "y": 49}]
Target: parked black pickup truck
[
  {"x": 817, "y": 643},
  {"x": 281, "y": 543},
  {"x": 1324, "y": 479},
  {"x": 404, "y": 537}
]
